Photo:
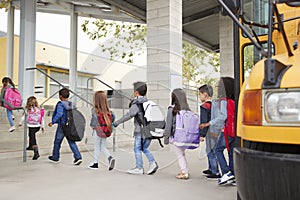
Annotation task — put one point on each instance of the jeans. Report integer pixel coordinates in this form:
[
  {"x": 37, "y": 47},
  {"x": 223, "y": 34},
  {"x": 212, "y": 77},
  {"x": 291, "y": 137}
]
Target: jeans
[
  {"x": 180, "y": 153},
  {"x": 99, "y": 146},
  {"x": 219, "y": 148},
  {"x": 212, "y": 162},
  {"x": 59, "y": 136},
  {"x": 9, "y": 114},
  {"x": 141, "y": 145}
]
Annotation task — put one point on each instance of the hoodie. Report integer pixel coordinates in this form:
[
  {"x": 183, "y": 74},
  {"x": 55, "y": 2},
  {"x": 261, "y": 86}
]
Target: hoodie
[
  {"x": 133, "y": 111},
  {"x": 60, "y": 115}
]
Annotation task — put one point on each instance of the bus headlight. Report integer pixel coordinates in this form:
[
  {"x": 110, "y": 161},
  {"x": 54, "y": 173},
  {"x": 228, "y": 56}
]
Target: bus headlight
[{"x": 282, "y": 107}]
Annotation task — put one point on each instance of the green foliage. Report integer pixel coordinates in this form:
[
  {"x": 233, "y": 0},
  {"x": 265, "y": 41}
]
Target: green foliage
[
  {"x": 123, "y": 40},
  {"x": 5, "y": 4}
]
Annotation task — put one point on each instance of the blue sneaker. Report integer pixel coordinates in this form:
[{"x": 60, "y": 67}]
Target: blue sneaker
[{"x": 225, "y": 178}]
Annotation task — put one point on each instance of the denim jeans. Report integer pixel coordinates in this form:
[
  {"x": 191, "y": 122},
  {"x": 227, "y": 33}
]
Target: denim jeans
[
  {"x": 99, "y": 146},
  {"x": 59, "y": 136},
  {"x": 219, "y": 148},
  {"x": 9, "y": 114},
  {"x": 212, "y": 162},
  {"x": 141, "y": 145}
]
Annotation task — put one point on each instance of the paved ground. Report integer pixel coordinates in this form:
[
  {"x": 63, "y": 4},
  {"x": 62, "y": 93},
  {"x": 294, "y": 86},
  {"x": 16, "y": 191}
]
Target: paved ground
[{"x": 44, "y": 180}]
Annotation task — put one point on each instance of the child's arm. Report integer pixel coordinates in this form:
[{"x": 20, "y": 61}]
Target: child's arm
[
  {"x": 204, "y": 118},
  {"x": 133, "y": 111},
  {"x": 94, "y": 120},
  {"x": 168, "y": 127},
  {"x": 58, "y": 113},
  {"x": 222, "y": 116},
  {"x": 22, "y": 120}
]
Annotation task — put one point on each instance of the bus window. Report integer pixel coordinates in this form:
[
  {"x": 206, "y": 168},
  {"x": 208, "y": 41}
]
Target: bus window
[
  {"x": 251, "y": 56},
  {"x": 256, "y": 11}
]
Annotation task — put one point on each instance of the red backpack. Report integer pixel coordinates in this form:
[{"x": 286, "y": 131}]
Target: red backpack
[
  {"x": 102, "y": 129},
  {"x": 229, "y": 126}
]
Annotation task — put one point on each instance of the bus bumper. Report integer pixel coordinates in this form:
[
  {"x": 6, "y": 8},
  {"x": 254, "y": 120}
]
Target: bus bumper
[{"x": 263, "y": 175}]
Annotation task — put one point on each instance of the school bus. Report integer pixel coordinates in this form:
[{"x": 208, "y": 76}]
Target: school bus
[{"x": 267, "y": 161}]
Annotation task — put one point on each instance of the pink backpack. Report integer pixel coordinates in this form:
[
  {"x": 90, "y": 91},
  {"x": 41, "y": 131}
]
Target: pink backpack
[
  {"x": 12, "y": 98},
  {"x": 35, "y": 116}
]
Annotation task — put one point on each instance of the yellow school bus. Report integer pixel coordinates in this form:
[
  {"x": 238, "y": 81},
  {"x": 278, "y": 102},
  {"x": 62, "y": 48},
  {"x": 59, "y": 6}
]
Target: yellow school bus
[{"x": 267, "y": 161}]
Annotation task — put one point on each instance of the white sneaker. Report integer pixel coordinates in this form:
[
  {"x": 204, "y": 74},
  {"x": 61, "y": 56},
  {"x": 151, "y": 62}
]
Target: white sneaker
[
  {"x": 136, "y": 171},
  {"x": 225, "y": 178},
  {"x": 12, "y": 128},
  {"x": 152, "y": 168}
]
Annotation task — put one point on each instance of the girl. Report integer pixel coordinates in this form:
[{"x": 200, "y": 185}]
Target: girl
[
  {"x": 7, "y": 82},
  {"x": 179, "y": 102},
  {"x": 101, "y": 118},
  {"x": 35, "y": 120},
  {"x": 217, "y": 122}
]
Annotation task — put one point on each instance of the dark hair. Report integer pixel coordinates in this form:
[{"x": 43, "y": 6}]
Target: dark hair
[
  {"x": 206, "y": 89},
  {"x": 140, "y": 87},
  {"x": 226, "y": 88},
  {"x": 6, "y": 80},
  {"x": 64, "y": 93},
  {"x": 179, "y": 101}
]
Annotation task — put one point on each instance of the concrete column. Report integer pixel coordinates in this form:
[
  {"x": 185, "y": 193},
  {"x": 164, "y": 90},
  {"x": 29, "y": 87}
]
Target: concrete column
[
  {"x": 73, "y": 51},
  {"x": 27, "y": 47},
  {"x": 226, "y": 46},
  {"x": 10, "y": 42},
  {"x": 164, "y": 49}
]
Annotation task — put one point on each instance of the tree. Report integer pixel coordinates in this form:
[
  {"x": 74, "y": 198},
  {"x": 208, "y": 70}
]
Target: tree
[{"x": 5, "y": 4}]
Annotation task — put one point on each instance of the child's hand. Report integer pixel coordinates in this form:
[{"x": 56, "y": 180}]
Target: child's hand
[
  {"x": 43, "y": 129},
  {"x": 20, "y": 124},
  {"x": 201, "y": 139},
  {"x": 50, "y": 124},
  {"x": 204, "y": 125}
]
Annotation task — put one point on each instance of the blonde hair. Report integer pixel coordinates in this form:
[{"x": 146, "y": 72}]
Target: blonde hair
[
  {"x": 101, "y": 106},
  {"x": 31, "y": 103}
]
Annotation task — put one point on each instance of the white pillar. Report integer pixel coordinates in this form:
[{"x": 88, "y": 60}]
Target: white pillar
[
  {"x": 164, "y": 48},
  {"x": 73, "y": 51},
  {"x": 226, "y": 46},
  {"x": 27, "y": 47},
  {"x": 10, "y": 42}
]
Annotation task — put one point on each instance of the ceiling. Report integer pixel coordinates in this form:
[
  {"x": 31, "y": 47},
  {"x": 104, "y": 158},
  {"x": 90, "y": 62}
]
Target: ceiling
[{"x": 200, "y": 20}]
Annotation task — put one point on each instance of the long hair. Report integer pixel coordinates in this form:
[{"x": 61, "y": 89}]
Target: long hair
[
  {"x": 31, "y": 103},
  {"x": 101, "y": 105},
  {"x": 226, "y": 88},
  {"x": 179, "y": 101},
  {"x": 6, "y": 81}
]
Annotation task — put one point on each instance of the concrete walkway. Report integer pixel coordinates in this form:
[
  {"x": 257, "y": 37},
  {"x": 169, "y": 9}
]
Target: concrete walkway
[{"x": 63, "y": 181}]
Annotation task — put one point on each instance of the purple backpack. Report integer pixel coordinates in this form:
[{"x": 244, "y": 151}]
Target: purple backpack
[{"x": 187, "y": 130}]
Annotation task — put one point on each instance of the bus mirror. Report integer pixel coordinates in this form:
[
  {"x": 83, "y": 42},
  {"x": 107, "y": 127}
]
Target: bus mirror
[{"x": 231, "y": 4}]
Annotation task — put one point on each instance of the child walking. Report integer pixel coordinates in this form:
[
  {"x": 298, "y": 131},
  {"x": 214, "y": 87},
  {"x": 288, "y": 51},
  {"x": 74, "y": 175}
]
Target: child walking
[
  {"x": 7, "y": 82},
  {"x": 59, "y": 117},
  {"x": 218, "y": 120},
  {"x": 103, "y": 117},
  {"x": 141, "y": 144},
  {"x": 35, "y": 120},
  {"x": 178, "y": 102},
  {"x": 205, "y": 93}
]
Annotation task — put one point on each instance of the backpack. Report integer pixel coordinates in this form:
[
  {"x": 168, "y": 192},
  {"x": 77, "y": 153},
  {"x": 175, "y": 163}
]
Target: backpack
[
  {"x": 103, "y": 131},
  {"x": 186, "y": 133},
  {"x": 12, "y": 98},
  {"x": 229, "y": 126},
  {"x": 75, "y": 125},
  {"x": 151, "y": 120},
  {"x": 35, "y": 116}
]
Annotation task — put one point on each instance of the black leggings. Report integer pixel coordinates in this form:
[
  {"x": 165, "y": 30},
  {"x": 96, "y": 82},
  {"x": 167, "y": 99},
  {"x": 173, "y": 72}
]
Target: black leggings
[{"x": 32, "y": 138}]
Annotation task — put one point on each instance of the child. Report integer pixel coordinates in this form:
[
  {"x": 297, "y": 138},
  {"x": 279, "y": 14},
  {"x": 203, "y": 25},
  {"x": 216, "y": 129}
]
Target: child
[
  {"x": 179, "y": 102},
  {"x": 141, "y": 144},
  {"x": 7, "y": 82},
  {"x": 59, "y": 117},
  {"x": 35, "y": 120},
  {"x": 205, "y": 93},
  {"x": 225, "y": 90},
  {"x": 101, "y": 109}
]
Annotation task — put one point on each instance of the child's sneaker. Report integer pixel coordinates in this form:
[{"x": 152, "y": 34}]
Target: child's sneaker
[
  {"x": 12, "y": 128},
  {"x": 111, "y": 162},
  {"x": 94, "y": 166},
  {"x": 226, "y": 177},
  {"x": 207, "y": 172},
  {"x": 136, "y": 171},
  {"x": 77, "y": 161},
  {"x": 52, "y": 160},
  {"x": 152, "y": 168}
]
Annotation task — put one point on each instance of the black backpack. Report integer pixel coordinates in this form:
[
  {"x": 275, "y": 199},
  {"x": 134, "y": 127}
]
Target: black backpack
[{"x": 75, "y": 125}]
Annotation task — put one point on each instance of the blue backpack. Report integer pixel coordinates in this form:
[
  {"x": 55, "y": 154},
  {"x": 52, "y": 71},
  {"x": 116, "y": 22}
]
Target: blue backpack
[{"x": 187, "y": 134}]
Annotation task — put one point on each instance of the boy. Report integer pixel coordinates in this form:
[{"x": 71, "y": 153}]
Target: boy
[
  {"x": 205, "y": 93},
  {"x": 141, "y": 144},
  {"x": 59, "y": 117}
]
